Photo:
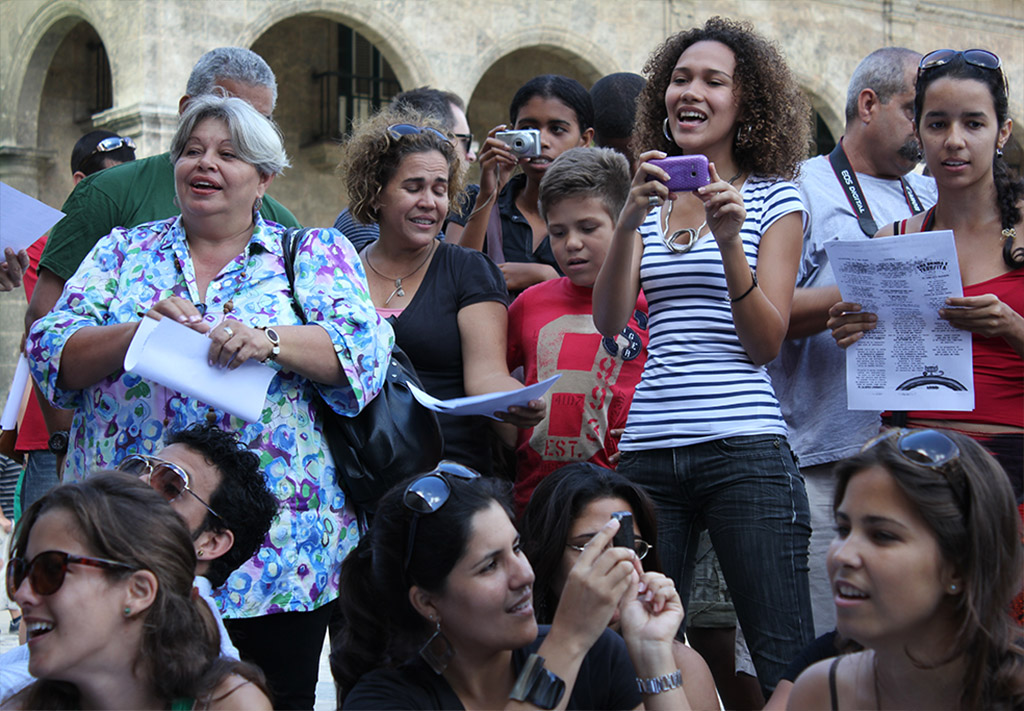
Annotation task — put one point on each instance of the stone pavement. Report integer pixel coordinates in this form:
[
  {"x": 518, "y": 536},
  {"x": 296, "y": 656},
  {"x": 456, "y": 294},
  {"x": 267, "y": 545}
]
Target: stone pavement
[{"x": 324, "y": 688}]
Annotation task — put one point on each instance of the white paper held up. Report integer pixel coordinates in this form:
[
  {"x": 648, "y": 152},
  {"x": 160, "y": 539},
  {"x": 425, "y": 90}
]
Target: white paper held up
[
  {"x": 485, "y": 405},
  {"x": 9, "y": 419},
  {"x": 23, "y": 219},
  {"x": 175, "y": 356}
]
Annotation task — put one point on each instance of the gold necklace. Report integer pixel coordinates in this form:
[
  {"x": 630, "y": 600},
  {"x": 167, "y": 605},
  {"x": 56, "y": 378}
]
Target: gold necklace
[
  {"x": 691, "y": 234},
  {"x": 399, "y": 291}
]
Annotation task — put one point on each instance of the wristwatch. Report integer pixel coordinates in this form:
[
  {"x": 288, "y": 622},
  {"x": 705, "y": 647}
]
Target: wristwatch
[
  {"x": 537, "y": 685},
  {"x": 275, "y": 342},
  {"x": 658, "y": 684},
  {"x": 58, "y": 443}
]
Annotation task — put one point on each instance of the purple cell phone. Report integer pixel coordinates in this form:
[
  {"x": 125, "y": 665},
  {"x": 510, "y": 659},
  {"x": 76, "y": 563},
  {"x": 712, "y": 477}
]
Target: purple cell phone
[{"x": 686, "y": 173}]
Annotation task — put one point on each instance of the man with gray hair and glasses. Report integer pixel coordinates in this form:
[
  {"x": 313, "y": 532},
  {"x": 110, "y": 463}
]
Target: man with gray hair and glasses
[{"x": 863, "y": 185}]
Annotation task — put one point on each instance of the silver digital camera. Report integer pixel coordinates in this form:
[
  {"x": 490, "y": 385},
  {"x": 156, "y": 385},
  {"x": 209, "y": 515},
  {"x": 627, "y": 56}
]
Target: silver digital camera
[{"x": 525, "y": 143}]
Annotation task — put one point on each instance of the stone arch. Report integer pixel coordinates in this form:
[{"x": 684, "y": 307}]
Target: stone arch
[
  {"x": 409, "y": 63},
  {"x": 31, "y": 60}
]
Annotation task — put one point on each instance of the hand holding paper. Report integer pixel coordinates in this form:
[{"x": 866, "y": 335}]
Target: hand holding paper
[
  {"x": 485, "y": 405},
  {"x": 177, "y": 357}
]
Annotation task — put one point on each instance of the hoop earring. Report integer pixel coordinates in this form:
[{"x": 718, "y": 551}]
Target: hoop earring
[
  {"x": 256, "y": 208},
  {"x": 665, "y": 131},
  {"x": 437, "y": 650}
]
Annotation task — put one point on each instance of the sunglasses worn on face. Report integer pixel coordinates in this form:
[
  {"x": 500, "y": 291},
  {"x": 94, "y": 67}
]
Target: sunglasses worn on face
[
  {"x": 46, "y": 571},
  {"x": 975, "y": 57},
  {"x": 466, "y": 139},
  {"x": 641, "y": 547},
  {"x": 166, "y": 477},
  {"x": 397, "y": 130},
  {"x": 427, "y": 494}
]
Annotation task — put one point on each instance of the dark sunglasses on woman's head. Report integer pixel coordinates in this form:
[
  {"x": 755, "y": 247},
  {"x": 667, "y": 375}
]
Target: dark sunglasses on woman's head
[
  {"x": 427, "y": 494},
  {"x": 975, "y": 57},
  {"x": 46, "y": 571},
  {"x": 166, "y": 477},
  {"x": 928, "y": 448},
  {"x": 112, "y": 144},
  {"x": 397, "y": 130}
]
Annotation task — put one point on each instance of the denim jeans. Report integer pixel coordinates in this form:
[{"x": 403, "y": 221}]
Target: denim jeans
[
  {"x": 748, "y": 492},
  {"x": 40, "y": 476}
]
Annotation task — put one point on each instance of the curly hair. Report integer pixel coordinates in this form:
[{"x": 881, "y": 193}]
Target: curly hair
[
  {"x": 370, "y": 158},
  {"x": 774, "y": 113}
]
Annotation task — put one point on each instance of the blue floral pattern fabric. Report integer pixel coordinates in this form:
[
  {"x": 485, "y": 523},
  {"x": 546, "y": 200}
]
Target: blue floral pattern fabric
[{"x": 129, "y": 271}]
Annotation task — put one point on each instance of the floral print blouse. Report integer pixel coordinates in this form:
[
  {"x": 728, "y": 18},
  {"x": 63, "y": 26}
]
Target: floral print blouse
[{"x": 129, "y": 271}]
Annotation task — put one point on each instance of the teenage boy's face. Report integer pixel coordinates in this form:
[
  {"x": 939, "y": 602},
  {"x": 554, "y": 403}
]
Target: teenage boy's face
[{"x": 580, "y": 230}]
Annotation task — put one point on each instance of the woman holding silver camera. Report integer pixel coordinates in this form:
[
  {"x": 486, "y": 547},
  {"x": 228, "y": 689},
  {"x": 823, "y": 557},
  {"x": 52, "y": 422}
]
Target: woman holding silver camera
[
  {"x": 553, "y": 114},
  {"x": 447, "y": 304}
]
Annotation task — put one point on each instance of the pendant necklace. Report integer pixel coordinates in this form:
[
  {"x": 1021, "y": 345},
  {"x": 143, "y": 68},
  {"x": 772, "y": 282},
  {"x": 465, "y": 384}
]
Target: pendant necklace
[
  {"x": 399, "y": 291},
  {"x": 691, "y": 234}
]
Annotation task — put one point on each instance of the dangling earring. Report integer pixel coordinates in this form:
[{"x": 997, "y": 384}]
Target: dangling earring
[
  {"x": 743, "y": 134},
  {"x": 664, "y": 130},
  {"x": 437, "y": 651},
  {"x": 999, "y": 153},
  {"x": 256, "y": 208}
]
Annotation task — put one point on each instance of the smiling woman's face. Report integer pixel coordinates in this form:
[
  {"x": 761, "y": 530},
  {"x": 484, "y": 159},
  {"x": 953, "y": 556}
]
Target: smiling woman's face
[{"x": 486, "y": 606}]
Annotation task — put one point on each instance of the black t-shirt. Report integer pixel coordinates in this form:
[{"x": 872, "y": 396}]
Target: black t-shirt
[
  {"x": 516, "y": 232},
  {"x": 821, "y": 648},
  {"x": 428, "y": 331},
  {"x": 606, "y": 680}
]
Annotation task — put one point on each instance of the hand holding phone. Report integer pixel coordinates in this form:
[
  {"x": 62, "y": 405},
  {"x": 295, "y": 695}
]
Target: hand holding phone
[{"x": 686, "y": 173}]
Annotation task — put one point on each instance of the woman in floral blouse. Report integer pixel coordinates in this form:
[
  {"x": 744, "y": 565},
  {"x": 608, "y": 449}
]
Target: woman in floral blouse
[{"x": 217, "y": 268}]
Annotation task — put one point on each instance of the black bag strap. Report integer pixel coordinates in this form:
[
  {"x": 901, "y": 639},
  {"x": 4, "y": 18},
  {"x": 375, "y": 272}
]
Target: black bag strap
[
  {"x": 847, "y": 177},
  {"x": 290, "y": 241}
]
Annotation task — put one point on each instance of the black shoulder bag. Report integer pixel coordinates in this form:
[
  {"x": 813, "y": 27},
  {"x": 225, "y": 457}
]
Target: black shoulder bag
[{"x": 392, "y": 438}]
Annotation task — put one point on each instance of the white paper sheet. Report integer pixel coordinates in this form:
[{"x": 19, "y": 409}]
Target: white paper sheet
[
  {"x": 9, "y": 419},
  {"x": 175, "y": 356},
  {"x": 23, "y": 219},
  {"x": 912, "y": 359},
  {"x": 485, "y": 405}
]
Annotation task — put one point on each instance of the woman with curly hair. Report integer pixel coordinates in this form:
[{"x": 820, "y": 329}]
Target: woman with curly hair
[
  {"x": 447, "y": 304},
  {"x": 705, "y": 435}
]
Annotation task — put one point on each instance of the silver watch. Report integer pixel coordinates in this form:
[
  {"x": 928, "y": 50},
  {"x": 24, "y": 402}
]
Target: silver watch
[
  {"x": 658, "y": 684},
  {"x": 275, "y": 342}
]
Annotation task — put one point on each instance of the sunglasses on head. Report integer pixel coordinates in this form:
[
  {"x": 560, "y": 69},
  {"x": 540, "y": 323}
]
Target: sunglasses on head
[
  {"x": 112, "y": 144},
  {"x": 46, "y": 571},
  {"x": 398, "y": 130},
  {"x": 976, "y": 57},
  {"x": 427, "y": 494},
  {"x": 928, "y": 448},
  {"x": 166, "y": 477}
]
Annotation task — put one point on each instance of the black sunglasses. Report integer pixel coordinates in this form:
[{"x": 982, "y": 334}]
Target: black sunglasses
[
  {"x": 169, "y": 479},
  {"x": 466, "y": 139},
  {"x": 427, "y": 494},
  {"x": 46, "y": 571},
  {"x": 932, "y": 449},
  {"x": 976, "y": 57}
]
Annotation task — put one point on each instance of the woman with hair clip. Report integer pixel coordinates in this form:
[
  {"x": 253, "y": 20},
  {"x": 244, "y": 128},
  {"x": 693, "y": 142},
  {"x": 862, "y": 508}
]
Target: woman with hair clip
[
  {"x": 962, "y": 121},
  {"x": 111, "y": 616},
  {"x": 442, "y": 571},
  {"x": 567, "y": 509},
  {"x": 705, "y": 436},
  {"x": 448, "y": 304},
  {"x": 926, "y": 558}
]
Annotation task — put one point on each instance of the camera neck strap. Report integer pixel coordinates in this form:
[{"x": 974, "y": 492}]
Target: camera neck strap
[{"x": 847, "y": 178}]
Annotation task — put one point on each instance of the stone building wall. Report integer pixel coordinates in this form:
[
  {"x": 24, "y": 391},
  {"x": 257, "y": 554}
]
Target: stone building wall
[{"x": 482, "y": 51}]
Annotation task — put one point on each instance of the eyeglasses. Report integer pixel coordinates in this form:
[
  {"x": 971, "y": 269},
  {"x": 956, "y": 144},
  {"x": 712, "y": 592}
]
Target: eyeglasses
[
  {"x": 427, "y": 494},
  {"x": 928, "y": 448},
  {"x": 112, "y": 144},
  {"x": 976, "y": 57},
  {"x": 166, "y": 477},
  {"x": 46, "y": 571},
  {"x": 641, "y": 547},
  {"x": 397, "y": 130},
  {"x": 466, "y": 139}
]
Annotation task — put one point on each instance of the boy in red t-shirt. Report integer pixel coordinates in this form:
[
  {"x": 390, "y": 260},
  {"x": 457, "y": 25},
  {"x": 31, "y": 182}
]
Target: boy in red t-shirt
[{"x": 551, "y": 327}]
